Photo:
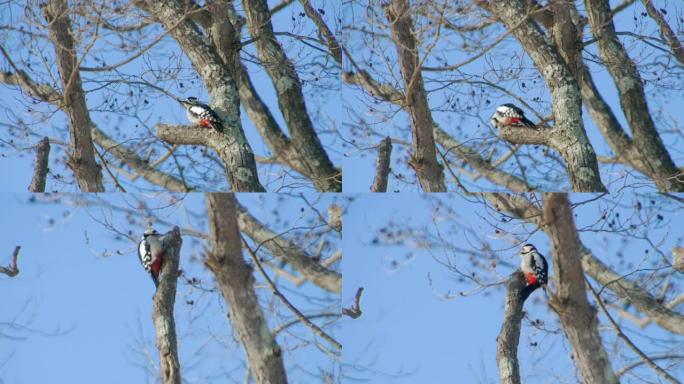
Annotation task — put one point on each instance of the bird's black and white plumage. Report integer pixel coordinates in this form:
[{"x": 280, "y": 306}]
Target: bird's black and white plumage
[
  {"x": 151, "y": 254},
  {"x": 508, "y": 115},
  {"x": 201, "y": 114},
  {"x": 535, "y": 268}
]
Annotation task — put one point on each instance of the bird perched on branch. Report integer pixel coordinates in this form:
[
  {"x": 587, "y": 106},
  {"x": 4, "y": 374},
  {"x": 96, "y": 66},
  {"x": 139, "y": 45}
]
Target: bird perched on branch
[
  {"x": 508, "y": 115},
  {"x": 533, "y": 265},
  {"x": 151, "y": 253},
  {"x": 201, "y": 114}
]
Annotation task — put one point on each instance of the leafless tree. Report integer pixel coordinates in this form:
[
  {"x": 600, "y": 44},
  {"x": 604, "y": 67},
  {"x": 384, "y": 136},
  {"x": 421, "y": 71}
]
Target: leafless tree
[
  {"x": 599, "y": 298},
  {"x": 295, "y": 254},
  {"x": 119, "y": 67},
  {"x": 439, "y": 69}
]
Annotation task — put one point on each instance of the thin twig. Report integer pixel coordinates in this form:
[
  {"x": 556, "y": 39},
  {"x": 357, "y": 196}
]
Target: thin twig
[
  {"x": 12, "y": 270},
  {"x": 282, "y": 297},
  {"x": 647, "y": 360},
  {"x": 355, "y": 311}
]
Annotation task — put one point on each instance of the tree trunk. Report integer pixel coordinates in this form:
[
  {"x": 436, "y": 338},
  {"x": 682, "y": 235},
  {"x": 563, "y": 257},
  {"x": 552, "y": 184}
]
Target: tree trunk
[
  {"x": 509, "y": 337},
  {"x": 162, "y": 312},
  {"x": 236, "y": 282},
  {"x": 424, "y": 157},
  {"x": 578, "y": 318},
  {"x": 306, "y": 145},
  {"x": 82, "y": 158}
]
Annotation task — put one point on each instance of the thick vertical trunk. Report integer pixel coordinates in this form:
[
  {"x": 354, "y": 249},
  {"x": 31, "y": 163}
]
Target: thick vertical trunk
[
  {"x": 424, "y": 157},
  {"x": 82, "y": 157},
  {"x": 162, "y": 312},
  {"x": 578, "y": 318},
  {"x": 236, "y": 282}
]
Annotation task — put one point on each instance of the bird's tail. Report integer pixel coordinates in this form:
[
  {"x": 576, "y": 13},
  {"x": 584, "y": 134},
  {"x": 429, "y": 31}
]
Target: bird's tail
[
  {"x": 527, "y": 291},
  {"x": 217, "y": 126},
  {"x": 527, "y": 122}
]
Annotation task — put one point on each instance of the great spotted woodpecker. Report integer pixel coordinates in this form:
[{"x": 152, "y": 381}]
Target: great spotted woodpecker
[
  {"x": 533, "y": 265},
  {"x": 508, "y": 115},
  {"x": 201, "y": 114},
  {"x": 151, "y": 254}
]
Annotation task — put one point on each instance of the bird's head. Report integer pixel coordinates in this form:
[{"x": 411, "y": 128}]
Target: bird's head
[
  {"x": 503, "y": 113},
  {"x": 496, "y": 118},
  {"x": 527, "y": 248},
  {"x": 190, "y": 101},
  {"x": 150, "y": 232},
  {"x": 500, "y": 114}
]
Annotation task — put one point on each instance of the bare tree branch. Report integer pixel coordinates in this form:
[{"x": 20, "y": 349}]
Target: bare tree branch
[
  {"x": 382, "y": 167},
  {"x": 311, "y": 155},
  {"x": 576, "y": 315},
  {"x": 335, "y": 217},
  {"x": 316, "y": 329},
  {"x": 570, "y": 138},
  {"x": 678, "y": 259},
  {"x": 509, "y": 336},
  {"x": 424, "y": 157},
  {"x": 234, "y": 278},
  {"x": 640, "y": 362},
  {"x": 324, "y": 31},
  {"x": 665, "y": 31},
  {"x": 40, "y": 170},
  {"x": 654, "y": 158},
  {"x": 627, "y": 290},
  {"x": 287, "y": 250},
  {"x": 142, "y": 167},
  {"x": 631, "y": 292},
  {"x": 629, "y": 342},
  {"x": 162, "y": 314},
  {"x": 219, "y": 79},
  {"x": 355, "y": 310},
  {"x": 82, "y": 159},
  {"x": 388, "y": 93},
  {"x": 12, "y": 269}
]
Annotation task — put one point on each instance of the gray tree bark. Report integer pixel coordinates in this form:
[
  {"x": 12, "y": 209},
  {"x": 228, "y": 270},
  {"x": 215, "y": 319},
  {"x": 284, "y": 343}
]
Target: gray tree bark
[
  {"x": 219, "y": 79},
  {"x": 578, "y": 318},
  {"x": 646, "y": 151},
  {"x": 424, "y": 157},
  {"x": 82, "y": 157},
  {"x": 485, "y": 168},
  {"x": 305, "y": 144},
  {"x": 509, "y": 336},
  {"x": 50, "y": 95},
  {"x": 382, "y": 166},
  {"x": 568, "y": 136},
  {"x": 284, "y": 149},
  {"x": 520, "y": 207},
  {"x": 291, "y": 253},
  {"x": 40, "y": 169},
  {"x": 236, "y": 282},
  {"x": 162, "y": 312}
]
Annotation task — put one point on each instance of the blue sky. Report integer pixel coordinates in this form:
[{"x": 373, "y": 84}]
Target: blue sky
[
  {"x": 88, "y": 317},
  {"x": 410, "y": 332}
]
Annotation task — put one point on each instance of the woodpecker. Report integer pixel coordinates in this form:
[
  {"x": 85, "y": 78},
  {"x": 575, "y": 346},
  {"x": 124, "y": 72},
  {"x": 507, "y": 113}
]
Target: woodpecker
[
  {"x": 533, "y": 265},
  {"x": 201, "y": 114},
  {"x": 151, "y": 254},
  {"x": 508, "y": 115}
]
